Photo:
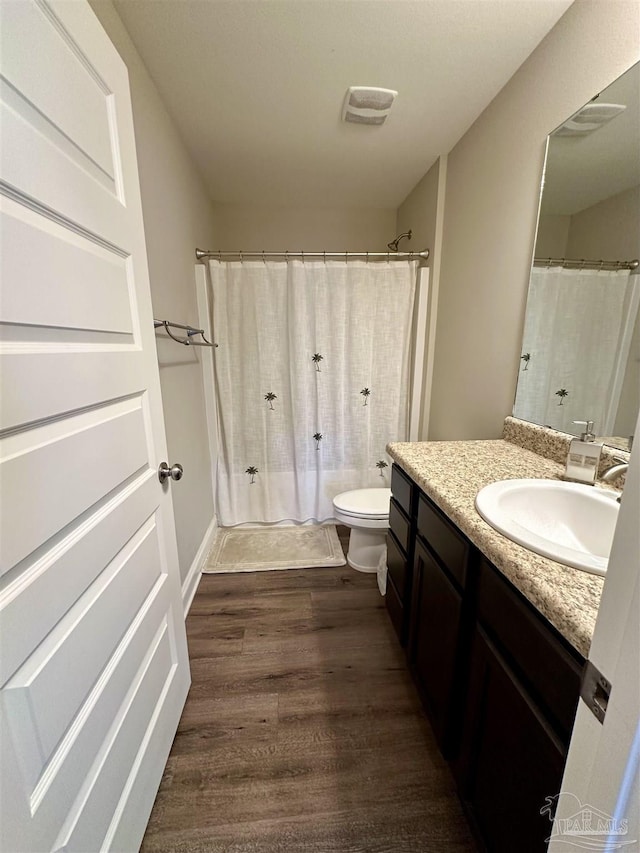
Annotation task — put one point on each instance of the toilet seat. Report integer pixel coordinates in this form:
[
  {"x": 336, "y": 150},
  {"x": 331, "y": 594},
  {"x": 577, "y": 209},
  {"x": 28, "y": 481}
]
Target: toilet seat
[
  {"x": 370, "y": 504},
  {"x": 366, "y": 512}
]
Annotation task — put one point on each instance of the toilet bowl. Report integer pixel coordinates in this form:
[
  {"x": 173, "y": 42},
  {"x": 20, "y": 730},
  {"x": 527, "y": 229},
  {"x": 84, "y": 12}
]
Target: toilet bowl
[{"x": 366, "y": 512}]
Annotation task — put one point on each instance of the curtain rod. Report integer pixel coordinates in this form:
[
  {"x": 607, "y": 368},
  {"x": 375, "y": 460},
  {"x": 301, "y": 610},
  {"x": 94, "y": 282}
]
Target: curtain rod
[
  {"x": 202, "y": 255},
  {"x": 583, "y": 264}
]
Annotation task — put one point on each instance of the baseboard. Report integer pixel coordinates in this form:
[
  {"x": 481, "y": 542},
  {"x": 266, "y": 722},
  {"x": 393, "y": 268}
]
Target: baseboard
[{"x": 192, "y": 579}]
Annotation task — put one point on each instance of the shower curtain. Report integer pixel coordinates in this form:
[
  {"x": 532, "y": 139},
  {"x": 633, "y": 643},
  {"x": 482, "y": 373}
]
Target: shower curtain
[
  {"x": 312, "y": 376},
  {"x": 575, "y": 347}
]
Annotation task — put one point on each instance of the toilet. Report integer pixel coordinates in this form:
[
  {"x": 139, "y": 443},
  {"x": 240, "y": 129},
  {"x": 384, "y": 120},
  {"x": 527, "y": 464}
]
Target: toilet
[{"x": 366, "y": 512}]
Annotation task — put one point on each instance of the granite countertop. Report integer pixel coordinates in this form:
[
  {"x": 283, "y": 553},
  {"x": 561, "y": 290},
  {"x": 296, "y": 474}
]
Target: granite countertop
[{"x": 452, "y": 472}]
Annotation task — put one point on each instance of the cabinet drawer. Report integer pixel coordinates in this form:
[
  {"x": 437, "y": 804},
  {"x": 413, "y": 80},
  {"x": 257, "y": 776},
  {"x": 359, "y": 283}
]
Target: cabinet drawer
[
  {"x": 443, "y": 539},
  {"x": 396, "y": 565},
  {"x": 400, "y": 526},
  {"x": 395, "y": 609},
  {"x": 550, "y": 671},
  {"x": 402, "y": 489}
]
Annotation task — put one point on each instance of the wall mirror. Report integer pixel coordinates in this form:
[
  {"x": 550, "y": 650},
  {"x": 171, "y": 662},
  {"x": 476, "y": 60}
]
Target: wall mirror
[{"x": 581, "y": 345}]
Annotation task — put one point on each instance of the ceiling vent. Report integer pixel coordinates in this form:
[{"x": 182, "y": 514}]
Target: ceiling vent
[
  {"x": 589, "y": 118},
  {"x": 367, "y": 104}
]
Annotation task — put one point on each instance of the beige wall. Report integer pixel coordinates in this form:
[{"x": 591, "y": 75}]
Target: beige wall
[
  {"x": 178, "y": 216},
  {"x": 493, "y": 181},
  {"x": 609, "y": 230},
  {"x": 421, "y": 212},
  {"x": 551, "y": 239},
  {"x": 418, "y": 212},
  {"x": 294, "y": 229}
]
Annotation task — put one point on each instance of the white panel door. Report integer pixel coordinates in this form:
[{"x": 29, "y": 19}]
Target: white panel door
[{"x": 93, "y": 660}]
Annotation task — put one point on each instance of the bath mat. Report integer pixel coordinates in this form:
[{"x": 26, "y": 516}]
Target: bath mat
[{"x": 252, "y": 549}]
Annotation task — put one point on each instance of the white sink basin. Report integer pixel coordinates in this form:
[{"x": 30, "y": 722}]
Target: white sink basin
[{"x": 568, "y": 522}]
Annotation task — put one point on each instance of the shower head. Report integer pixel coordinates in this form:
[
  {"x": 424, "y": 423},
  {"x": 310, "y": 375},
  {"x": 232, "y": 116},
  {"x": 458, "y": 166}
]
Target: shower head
[{"x": 393, "y": 245}]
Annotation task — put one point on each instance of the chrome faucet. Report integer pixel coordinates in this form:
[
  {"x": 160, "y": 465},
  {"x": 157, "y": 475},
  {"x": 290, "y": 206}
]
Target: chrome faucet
[{"x": 612, "y": 473}]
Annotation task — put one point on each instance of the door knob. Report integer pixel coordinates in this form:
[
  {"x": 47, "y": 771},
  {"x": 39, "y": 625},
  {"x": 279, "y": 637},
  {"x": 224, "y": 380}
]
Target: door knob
[{"x": 165, "y": 471}]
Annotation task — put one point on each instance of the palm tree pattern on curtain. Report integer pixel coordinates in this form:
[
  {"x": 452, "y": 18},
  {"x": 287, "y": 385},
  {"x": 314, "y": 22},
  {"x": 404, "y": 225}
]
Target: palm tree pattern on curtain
[
  {"x": 317, "y": 436},
  {"x": 298, "y": 341}
]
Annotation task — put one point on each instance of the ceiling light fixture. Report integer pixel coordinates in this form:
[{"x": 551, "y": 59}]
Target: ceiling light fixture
[{"x": 367, "y": 104}]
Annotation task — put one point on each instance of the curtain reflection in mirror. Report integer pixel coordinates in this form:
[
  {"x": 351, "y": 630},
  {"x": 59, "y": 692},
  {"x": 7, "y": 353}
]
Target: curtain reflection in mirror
[{"x": 567, "y": 376}]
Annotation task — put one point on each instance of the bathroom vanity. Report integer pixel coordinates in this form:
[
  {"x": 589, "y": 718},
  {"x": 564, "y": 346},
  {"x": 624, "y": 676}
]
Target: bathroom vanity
[{"x": 496, "y": 636}]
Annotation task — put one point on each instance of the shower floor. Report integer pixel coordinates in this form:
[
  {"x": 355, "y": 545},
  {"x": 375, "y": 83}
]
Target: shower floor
[{"x": 302, "y": 731}]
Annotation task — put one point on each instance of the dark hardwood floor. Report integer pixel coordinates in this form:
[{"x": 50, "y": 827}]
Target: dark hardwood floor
[{"x": 302, "y": 731}]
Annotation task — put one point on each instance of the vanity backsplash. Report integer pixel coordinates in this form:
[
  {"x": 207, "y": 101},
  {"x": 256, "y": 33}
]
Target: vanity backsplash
[{"x": 554, "y": 445}]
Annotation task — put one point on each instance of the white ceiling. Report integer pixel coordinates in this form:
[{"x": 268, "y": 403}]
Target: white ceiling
[
  {"x": 581, "y": 171},
  {"x": 256, "y": 87}
]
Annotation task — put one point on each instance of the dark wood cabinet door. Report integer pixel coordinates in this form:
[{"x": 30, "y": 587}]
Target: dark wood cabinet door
[
  {"x": 434, "y": 641},
  {"x": 398, "y": 587},
  {"x": 510, "y": 759},
  {"x": 395, "y": 610},
  {"x": 444, "y": 540},
  {"x": 538, "y": 656},
  {"x": 397, "y": 566}
]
